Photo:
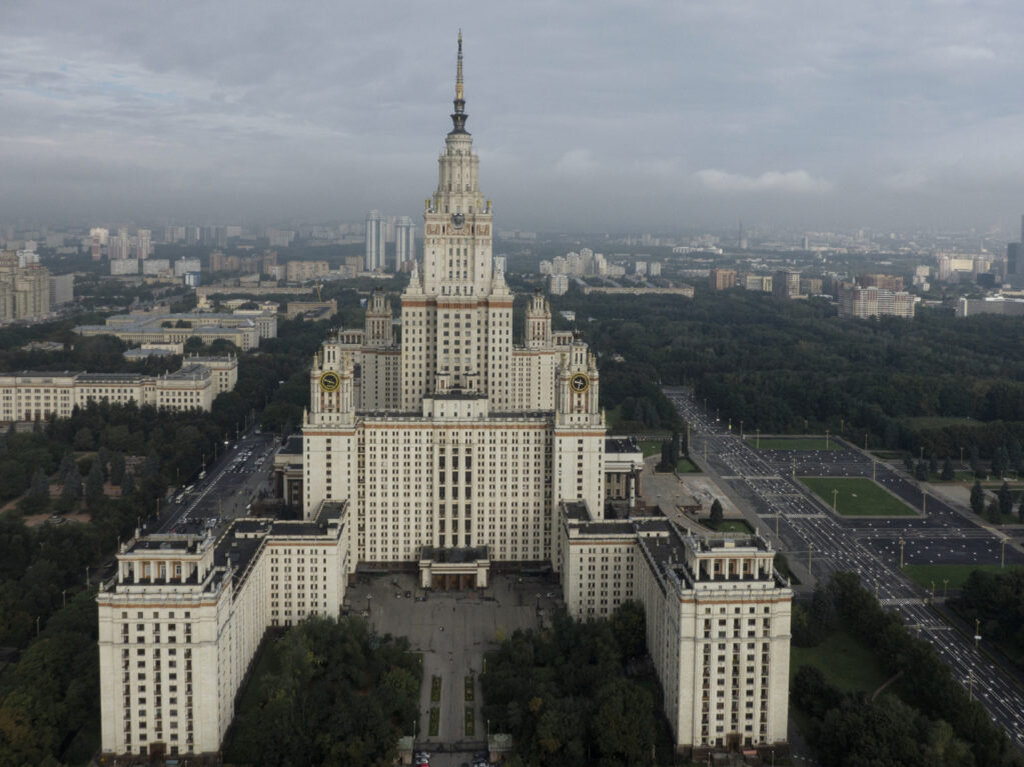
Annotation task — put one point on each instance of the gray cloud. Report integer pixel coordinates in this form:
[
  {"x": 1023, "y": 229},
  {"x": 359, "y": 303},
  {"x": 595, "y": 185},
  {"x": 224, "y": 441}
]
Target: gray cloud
[{"x": 601, "y": 115}]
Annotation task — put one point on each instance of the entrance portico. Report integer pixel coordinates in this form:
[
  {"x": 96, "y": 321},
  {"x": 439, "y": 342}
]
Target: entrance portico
[{"x": 454, "y": 569}]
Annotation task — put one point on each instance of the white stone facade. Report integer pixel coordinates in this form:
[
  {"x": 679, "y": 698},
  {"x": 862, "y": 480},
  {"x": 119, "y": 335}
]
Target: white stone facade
[
  {"x": 27, "y": 396},
  {"x": 180, "y": 624}
]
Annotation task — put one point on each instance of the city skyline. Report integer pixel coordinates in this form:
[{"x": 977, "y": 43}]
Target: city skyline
[{"x": 630, "y": 116}]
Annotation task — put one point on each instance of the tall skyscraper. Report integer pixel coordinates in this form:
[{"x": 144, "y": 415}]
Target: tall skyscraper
[
  {"x": 375, "y": 248},
  {"x": 142, "y": 240},
  {"x": 405, "y": 243},
  {"x": 446, "y": 454}
]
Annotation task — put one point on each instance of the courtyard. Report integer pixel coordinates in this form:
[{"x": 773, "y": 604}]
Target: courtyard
[{"x": 452, "y": 630}]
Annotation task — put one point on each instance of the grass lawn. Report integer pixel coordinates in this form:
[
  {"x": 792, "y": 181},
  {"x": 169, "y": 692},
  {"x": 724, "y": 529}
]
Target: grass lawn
[
  {"x": 957, "y": 574},
  {"x": 792, "y": 443},
  {"x": 858, "y": 497},
  {"x": 843, "y": 660},
  {"x": 650, "y": 447},
  {"x": 729, "y": 526},
  {"x": 686, "y": 466}
]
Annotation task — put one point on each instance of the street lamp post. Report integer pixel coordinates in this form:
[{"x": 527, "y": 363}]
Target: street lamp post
[
  {"x": 835, "y": 495},
  {"x": 810, "y": 548},
  {"x": 902, "y": 543},
  {"x": 924, "y": 498},
  {"x": 777, "y": 515},
  {"x": 826, "y": 439},
  {"x": 945, "y": 587},
  {"x": 977, "y": 632},
  {"x": 1002, "y": 553}
]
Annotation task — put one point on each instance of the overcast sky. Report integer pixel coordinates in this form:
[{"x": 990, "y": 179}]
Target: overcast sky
[{"x": 591, "y": 115}]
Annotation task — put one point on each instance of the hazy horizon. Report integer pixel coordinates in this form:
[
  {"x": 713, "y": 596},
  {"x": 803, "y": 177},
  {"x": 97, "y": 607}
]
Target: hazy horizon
[{"x": 610, "y": 116}]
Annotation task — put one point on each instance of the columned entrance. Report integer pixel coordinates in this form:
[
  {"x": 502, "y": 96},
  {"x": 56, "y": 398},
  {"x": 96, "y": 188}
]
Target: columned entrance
[{"x": 454, "y": 569}]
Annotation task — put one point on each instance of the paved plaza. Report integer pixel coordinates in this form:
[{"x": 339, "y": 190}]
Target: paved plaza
[{"x": 452, "y": 630}]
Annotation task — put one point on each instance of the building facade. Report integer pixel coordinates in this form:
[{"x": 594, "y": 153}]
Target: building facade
[
  {"x": 786, "y": 284},
  {"x": 376, "y": 228},
  {"x": 28, "y": 396},
  {"x": 24, "y": 290},
  {"x": 448, "y": 453},
  {"x": 864, "y": 302},
  {"x": 405, "y": 242},
  {"x": 184, "y": 616},
  {"x": 722, "y": 279}
]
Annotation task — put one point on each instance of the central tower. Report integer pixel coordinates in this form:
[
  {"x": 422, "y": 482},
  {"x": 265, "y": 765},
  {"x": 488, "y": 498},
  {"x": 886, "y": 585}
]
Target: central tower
[{"x": 457, "y": 312}]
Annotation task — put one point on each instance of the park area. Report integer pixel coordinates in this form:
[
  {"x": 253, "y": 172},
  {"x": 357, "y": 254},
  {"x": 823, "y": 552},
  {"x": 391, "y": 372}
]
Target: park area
[
  {"x": 943, "y": 577},
  {"x": 857, "y": 497}
]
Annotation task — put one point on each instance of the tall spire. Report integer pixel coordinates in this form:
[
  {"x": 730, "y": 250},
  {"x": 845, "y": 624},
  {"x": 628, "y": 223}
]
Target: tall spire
[{"x": 459, "y": 116}]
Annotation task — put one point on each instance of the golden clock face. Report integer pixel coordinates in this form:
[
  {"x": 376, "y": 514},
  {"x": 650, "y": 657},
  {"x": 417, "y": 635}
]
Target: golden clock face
[
  {"x": 579, "y": 382},
  {"x": 330, "y": 381}
]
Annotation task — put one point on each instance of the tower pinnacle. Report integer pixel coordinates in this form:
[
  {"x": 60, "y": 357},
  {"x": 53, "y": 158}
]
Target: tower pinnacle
[{"x": 459, "y": 116}]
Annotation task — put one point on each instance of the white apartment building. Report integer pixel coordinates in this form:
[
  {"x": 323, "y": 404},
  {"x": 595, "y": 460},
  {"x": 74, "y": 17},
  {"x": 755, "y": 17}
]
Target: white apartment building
[
  {"x": 376, "y": 227},
  {"x": 445, "y": 454},
  {"x": 405, "y": 242}
]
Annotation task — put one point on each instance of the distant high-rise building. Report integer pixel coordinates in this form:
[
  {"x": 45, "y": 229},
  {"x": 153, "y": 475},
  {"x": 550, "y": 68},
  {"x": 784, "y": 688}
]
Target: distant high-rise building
[
  {"x": 887, "y": 281},
  {"x": 142, "y": 240},
  {"x": 786, "y": 284},
  {"x": 722, "y": 279},
  {"x": 864, "y": 302},
  {"x": 99, "y": 238},
  {"x": 405, "y": 242},
  {"x": 24, "y": 290},
  {"x": 375, "y": 249},
  {"x": 1015, "y": 264},
  {"x": 119, "y": 247}
]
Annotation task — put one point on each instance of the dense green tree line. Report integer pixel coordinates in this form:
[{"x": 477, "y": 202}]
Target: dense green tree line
[
  {"x": 327, "y": 693},
  {"x": 50, "y": 710},
  {"x": 997, "y": 600},
  {"x": 564, "y": 694},
  {"x": 791, "y": 366},
  {"x": 934, "y": 711}
]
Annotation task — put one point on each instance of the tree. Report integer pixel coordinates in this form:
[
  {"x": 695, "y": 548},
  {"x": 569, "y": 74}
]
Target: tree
[
  {"x": 947, "y": 470},
  {"x": 38, "y": 497},
  {"x": 94, "y": 484},
  {"x": 992, "y": 511},
  {"x": 13, "y": 480},
  {"x": 127, "y": 484},
  {"x": 921, "y": 471},
  {"x": 117, "y": 468},
  {"x": 977, "y": 498},
  {"x": 716, "y": 514},
  {"x": 84, "y": 439},
  {"x": 1005, "y": 500}
]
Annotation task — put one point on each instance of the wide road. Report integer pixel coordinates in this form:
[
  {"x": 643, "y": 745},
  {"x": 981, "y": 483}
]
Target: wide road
[
  {"x": 231, "y": 483},
  {"x": 869, "y": 546}
]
